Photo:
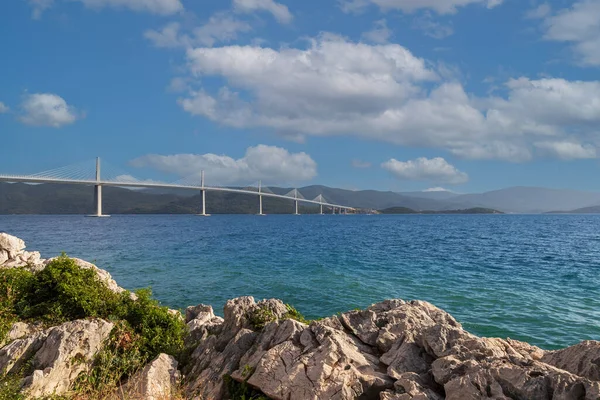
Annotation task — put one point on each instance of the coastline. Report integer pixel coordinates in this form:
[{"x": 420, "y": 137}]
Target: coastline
[{"x": 390, "y": 350}]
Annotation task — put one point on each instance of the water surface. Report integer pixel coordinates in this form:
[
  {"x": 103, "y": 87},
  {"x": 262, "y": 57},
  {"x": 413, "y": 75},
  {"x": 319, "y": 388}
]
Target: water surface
[{"x": 528, "y": 277}]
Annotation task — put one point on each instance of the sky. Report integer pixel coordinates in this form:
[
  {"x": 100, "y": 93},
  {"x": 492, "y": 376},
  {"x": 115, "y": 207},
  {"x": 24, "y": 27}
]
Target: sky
[{"x": 401, "y": 95}]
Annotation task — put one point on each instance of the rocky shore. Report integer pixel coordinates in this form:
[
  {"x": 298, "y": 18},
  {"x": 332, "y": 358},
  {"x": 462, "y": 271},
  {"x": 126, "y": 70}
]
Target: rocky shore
[{"x": 391, "y": 350}]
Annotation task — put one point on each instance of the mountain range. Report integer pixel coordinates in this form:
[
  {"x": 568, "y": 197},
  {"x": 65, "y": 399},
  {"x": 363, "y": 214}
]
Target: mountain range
[{"x": 71, "y": 199}]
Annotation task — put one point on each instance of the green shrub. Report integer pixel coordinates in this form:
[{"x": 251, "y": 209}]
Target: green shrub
[
  {"x": 13, "y": 283},
  {"x": 241, "y": 390},
  {"x": 63, "y": 292},
  {"x": 292, "y": 313}
]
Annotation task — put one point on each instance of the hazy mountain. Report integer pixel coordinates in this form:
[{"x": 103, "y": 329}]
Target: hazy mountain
[
  {"x": 584, "y": 210},
  {"x": 435, "y": 194},
  {"x": 527, "y": 200}
]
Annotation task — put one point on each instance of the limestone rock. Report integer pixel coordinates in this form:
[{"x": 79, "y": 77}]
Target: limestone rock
[
  {"x": 201, "y": 312},
  {"x": 582, "y": 359},
  {"x": 157, "y": 381},
  {"x": 57, "y": 355},
  {"x": 12, "y": 245}
]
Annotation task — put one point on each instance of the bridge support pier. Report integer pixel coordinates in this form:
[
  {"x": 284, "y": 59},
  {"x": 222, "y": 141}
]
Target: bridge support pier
[
  {"x": 203, "y": 191},
  {"x": 296, "y": 207},
  {"x": 321, "y": 209},
  {"x": 98, "y": 193},
  {"x": 260, "y": 198}
]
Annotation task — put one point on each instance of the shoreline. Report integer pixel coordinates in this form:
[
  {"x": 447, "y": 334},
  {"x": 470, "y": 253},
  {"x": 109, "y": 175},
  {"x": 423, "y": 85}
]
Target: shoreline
[{"x": 390, "y": 350}]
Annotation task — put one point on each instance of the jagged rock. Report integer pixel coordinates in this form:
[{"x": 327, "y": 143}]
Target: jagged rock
[
  {"x": 157, "y": 381},
  {"x": 201, "y": 312},
  {"x": 56, "y": 356},
  {"x": 20, "y": 330},
  {"x": 12, "y": 245},
  {"x": 582, "y": 359},
  {"x": 12, "y": 254},
  {"x": 3, "y": 256}
]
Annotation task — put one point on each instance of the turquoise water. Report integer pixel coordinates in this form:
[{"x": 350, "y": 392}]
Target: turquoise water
[{"x": 528, "y": 277}]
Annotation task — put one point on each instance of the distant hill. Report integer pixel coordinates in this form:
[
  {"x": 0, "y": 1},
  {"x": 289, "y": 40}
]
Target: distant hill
[
  {"x": 73, "y": 199},
  {"x": 527, "y": 200},
  {"x": 435, "y": 195},
  {"x": 404, "y": 210},
  {"x": 584, "y": 210}
]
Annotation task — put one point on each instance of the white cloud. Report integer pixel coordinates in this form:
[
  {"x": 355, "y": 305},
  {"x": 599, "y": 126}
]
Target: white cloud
[
  {"x": 385, "y": 93},
  {"x": 408, "y": 6},
  {"x": 436, "y": 189},
  {"x": 161, "y": 7},
  {"x": 221, "y": 27},
  {"x": 567, "y": 150},
  {"x": 360, "y": 164},
  {"x": 3, "y": 108},
  {"x": 39, "y": 6},
  {"x": 279, "y": 11},
  {"x": 267, "y": 163},
  {"x": 435, "y": 170},
  {"x": 46, "y": 109},
  {"x": 380, "y": 33},
  {"x": 541, "y": 11},
  {"x": 432, "y": 28},
  {"x": 579, "y": 25}
]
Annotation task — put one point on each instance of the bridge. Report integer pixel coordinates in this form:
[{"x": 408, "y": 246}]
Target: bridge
[{"x": 82, "y": 174}]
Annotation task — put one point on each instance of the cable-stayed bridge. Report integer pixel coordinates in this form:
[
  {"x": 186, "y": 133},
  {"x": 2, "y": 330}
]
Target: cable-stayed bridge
[{"x": 91, "y": 174}]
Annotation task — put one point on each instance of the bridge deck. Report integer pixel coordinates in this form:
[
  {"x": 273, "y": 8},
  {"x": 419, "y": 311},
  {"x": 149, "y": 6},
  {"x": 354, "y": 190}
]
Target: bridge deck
[{"x": 29, "y": 179}]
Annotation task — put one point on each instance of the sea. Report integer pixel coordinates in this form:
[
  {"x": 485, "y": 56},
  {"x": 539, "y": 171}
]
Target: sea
[{"x": 529, "y": 277}]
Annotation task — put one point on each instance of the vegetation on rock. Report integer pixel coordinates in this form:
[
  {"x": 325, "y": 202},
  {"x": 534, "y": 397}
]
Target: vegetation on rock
[{"x": 63, "y": 292}]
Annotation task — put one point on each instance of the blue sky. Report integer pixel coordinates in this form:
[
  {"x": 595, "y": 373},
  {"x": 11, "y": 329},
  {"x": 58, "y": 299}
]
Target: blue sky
[{"x": 469, "y": 95}]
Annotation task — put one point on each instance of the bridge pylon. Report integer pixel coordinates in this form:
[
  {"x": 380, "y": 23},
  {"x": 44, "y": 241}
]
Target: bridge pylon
[
  {"x": 98, "y": 193},
  {"x": 260, "y": 199},
  {"x": 203, "y": 191}
]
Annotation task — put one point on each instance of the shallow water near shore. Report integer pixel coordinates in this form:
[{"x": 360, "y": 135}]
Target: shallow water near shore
[{"x": 529, "y": 277}]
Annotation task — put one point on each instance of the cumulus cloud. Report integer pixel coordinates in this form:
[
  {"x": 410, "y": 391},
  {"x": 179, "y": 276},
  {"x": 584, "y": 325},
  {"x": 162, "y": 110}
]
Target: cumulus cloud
[
  {"x": 3, "y": 108},
  {"x": 408, "y": 6},
  {"x": 579, "y": 25},
  {"x": 220, "y": 27},
  {"x": 266, "y": 163},
  {"x": 435, "y": 170},
  {"x": 436, "y": 189},
  {"x": 380, "y": 33},
  {"x": 281, "y": 13},
  {"x": 47, "y": 109},
  {"x": 567, "y": 150},
  {"x": 385, "y": 93}
]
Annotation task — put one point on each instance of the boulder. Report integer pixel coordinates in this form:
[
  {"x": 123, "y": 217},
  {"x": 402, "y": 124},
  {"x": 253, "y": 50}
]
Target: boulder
[
  {"x": 157, "y": 381},
  {"x": 52, "y": 359},
  {"x": 11, "y": 245},
  {"x": 582, "y": 359}
]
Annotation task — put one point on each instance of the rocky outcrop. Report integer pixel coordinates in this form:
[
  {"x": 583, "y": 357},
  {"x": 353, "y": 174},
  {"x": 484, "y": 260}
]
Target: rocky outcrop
[
  {"x": 157, "y": 381},
  {"x": 52, "y": 359},
  {"x": 392, "y": 350},
  {"x": 13, "y": 254}
]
